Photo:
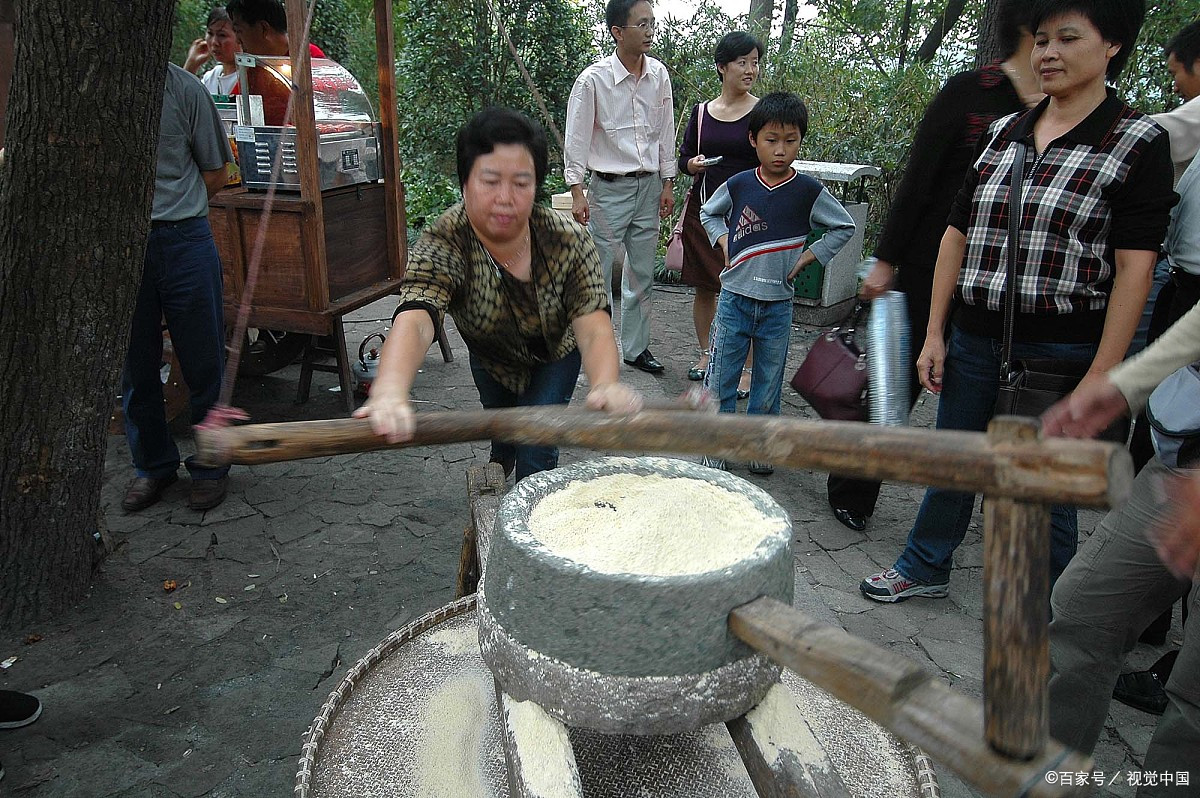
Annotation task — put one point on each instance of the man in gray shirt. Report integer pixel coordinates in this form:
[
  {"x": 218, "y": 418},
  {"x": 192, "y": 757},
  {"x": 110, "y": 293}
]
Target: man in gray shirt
[{"x": 181, "y": 282}]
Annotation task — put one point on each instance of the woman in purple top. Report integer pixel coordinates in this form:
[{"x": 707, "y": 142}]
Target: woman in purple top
[{"x": 717, "y": 129}]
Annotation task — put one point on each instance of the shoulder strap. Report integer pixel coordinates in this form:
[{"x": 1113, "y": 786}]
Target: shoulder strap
[
  {"x": 700, "y": 109},
  {"x": 1015, "y": 180}
]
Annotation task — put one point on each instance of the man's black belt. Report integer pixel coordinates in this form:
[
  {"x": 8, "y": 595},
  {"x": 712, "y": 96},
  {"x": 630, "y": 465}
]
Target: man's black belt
[{"x": 608, "y": 177}]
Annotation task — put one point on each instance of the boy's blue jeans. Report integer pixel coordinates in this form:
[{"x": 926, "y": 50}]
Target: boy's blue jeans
[
  {"x": 739, "y": 321},
  {"x": 970, "y": 384},
  {"x": 550, "y": 384}
]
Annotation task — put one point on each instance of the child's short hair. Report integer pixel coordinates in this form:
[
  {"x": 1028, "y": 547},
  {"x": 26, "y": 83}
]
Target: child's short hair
[{"x": 782, "y": 107}]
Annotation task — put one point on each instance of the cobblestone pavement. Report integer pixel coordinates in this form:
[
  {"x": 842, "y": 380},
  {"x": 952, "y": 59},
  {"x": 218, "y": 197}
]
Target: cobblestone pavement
[{"x": 207, "y": 690}]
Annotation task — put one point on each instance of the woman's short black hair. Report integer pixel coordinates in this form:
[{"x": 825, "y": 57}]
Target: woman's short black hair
[
  {"x": 1118, "y": 21},
  {"x": 616, "y": 13},
  {"x": 497, "y": 125},
  {"x": 218, "y": 14},
  {"x": 782, "y": 107},
  {"x": 734, "y": 45},
  {"x": 1012, "y": 16},
  {"x": 1185, "y": 46}
]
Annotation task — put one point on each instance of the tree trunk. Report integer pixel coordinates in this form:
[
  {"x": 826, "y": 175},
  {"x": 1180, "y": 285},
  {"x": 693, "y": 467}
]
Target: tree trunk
[
  {"x": 937, "y": 33},
  {"x": 75, "y": 192},
  {"x": 761, "y": 13},
  {"x": 790, "y": 9},
  {"x": 8, "y": 21},
  {"x": 905, "y": 30},
  {"x": 987, "y": 46}
]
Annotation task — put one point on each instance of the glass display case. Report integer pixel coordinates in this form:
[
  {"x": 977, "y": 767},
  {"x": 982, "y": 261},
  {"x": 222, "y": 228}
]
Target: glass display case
[{"x": 347, "y": 132}]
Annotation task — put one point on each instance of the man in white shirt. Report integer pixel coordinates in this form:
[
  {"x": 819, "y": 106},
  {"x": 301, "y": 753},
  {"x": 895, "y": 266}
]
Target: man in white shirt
[
  {"x": 1183, "y": 123},
  {"x": 621, "y": 127}
]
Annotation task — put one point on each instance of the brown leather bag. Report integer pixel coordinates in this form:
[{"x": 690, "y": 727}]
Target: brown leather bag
[{"x": 833, "y": 376}]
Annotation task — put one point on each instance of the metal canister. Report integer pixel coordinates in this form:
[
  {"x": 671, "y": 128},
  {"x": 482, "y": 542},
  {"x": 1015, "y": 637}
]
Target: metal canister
[{"x": 888, "y": 368}]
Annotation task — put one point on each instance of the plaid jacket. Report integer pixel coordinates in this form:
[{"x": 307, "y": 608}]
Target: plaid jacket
[
  {"x": 450, "y": 271},
  {"x": 1104, "y": 185}
]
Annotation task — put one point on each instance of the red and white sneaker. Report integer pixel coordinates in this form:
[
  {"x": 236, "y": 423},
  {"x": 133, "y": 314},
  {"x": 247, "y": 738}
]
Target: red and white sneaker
[{"x": 893, "y": 586}]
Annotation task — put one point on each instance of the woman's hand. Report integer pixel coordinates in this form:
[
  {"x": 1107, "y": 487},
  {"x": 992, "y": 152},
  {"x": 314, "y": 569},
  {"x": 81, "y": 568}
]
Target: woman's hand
[
  {"x": 391, "y": 416},
  {"x": 197, "y": 55},
  {"x": 932, "y": 362},
  {"x": 877, "y": 282},
  {"x": 1086, "y": 411},
  {"x": 614, "y": 397},
  {"x": 696, "y": 165}
]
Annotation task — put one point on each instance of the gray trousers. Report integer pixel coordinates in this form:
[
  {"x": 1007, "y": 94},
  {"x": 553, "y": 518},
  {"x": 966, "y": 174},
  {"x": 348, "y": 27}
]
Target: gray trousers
[
  {"x": 1113, "y": 588},
  {"x": 625, "y": 211}
]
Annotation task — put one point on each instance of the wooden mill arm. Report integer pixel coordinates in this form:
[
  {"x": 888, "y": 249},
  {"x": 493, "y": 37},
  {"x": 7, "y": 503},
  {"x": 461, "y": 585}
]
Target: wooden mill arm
[
  {"x": 1084, "y": 473},
  {"x": 902, "y": 697}
]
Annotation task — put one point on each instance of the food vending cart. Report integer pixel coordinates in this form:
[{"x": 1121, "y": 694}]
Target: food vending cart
[{"x": 331, "y": 236}]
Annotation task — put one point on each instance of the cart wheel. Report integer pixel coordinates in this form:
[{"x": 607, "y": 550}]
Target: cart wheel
[{"x": 269, "y": 352}]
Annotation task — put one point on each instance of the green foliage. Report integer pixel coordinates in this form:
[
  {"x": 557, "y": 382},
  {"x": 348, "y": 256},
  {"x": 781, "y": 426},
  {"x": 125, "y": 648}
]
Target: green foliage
[
  {"x": 1145, "y": 83},
  {"x": 332, "y": 23},
  {"x": 453, "y": 62},
  {"x": 189, "y": 26}
]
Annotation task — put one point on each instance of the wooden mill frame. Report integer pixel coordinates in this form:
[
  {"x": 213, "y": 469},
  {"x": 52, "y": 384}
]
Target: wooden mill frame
[{"x": 1000, "y": 745}]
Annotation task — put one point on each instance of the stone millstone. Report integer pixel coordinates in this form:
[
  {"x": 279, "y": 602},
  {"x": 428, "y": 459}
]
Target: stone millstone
[{"x": 641, "y": 653}]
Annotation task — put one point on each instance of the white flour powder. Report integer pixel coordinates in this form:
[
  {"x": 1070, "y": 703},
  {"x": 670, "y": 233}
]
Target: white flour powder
[
  {"x": 779, "y": 726},
  {"x": 448, "y": 758},
  {"x": 547, "y": 759},
  {"x": 654, "y": 525}
]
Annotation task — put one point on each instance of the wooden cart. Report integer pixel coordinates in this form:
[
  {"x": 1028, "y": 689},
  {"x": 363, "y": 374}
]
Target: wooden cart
[{"x": 328, "y": 253}]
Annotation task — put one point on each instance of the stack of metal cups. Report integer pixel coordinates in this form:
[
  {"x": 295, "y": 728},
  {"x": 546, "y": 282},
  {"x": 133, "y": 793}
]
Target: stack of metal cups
[{"x": 888, "y": 369}]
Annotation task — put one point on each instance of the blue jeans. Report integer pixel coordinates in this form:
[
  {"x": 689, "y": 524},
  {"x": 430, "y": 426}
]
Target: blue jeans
[
  {"x": 181, "y": 282},
  {"x": 739, "y": 321},
  {"x": 550, "y": 384},
  {"x": 1162, "y": 273},
  {"x": 970, "y": 384}
]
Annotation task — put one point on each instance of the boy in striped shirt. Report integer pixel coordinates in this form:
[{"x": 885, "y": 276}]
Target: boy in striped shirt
[{"x": 761, "y": 219}]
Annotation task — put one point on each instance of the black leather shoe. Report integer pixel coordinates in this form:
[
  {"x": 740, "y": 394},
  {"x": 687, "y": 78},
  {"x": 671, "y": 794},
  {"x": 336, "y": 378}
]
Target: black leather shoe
[
  {"x": 850, "y": 518},
  {"x": 207, "y": 493},
  {"x": 1141, "y": 690},
  {"x": 145, "y": 491},
  {"x": 646, "y": 362}
]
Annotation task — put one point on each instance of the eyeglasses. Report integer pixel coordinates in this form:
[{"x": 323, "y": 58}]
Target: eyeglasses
[{"x": 644, "y": 26}]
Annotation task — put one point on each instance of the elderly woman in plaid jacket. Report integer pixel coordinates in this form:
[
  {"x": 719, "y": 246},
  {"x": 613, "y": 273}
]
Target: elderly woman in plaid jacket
[{"x": 1096, "y": 199}]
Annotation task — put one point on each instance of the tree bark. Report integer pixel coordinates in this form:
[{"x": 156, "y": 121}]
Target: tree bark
[
  {"x": 987, "y": 46},
  {"x": 937, "y": 33},
  {"x": 75, "y": 192},
  {"x": 761, "y": 13},
  {"x": 790, "y": 9},
  {"x": 8, "y": 21}
]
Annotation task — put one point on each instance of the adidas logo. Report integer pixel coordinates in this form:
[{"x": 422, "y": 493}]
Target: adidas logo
[{"x": 748, "y": 222}]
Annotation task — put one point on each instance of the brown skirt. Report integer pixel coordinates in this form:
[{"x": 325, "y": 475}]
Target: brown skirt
[{"x": 702, "y": 263}]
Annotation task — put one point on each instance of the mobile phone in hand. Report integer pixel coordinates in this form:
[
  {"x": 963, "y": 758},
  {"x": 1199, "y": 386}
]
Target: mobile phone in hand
[{"x": 713, "y": 161}]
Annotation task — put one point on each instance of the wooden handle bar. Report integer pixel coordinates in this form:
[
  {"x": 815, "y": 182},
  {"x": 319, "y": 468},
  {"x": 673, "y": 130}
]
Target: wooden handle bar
[
  {"x": 902, "y": 697},
  {"x": 1086, "y": 473}
]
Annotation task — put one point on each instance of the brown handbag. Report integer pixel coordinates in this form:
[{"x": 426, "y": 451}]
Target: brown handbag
[{"x": 833, "y": 376}]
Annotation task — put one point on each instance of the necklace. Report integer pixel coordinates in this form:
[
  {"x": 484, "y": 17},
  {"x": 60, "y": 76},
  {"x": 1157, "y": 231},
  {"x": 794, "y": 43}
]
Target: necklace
[{"x": 507, "y": 264}]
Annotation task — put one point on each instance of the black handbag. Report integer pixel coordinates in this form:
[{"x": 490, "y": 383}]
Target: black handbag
[
  {"x": 833, "y": 376},
  {"x": 1028, "y": 387}
]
